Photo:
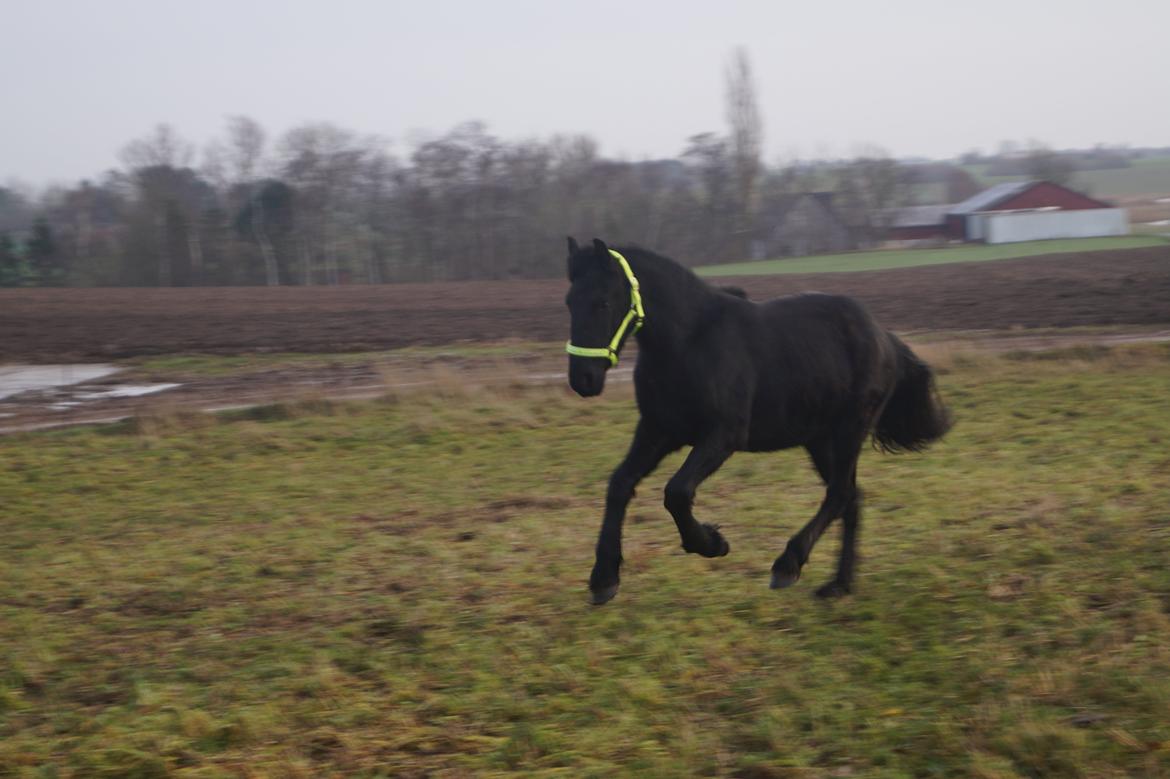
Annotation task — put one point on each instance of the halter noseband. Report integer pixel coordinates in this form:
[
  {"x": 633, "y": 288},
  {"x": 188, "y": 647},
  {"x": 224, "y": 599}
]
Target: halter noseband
[{"x": 636, "y": 314}]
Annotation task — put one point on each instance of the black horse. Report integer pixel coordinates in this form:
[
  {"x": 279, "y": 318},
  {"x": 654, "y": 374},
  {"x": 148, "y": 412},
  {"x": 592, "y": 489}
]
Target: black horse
[{"x": 722, "y": 374}]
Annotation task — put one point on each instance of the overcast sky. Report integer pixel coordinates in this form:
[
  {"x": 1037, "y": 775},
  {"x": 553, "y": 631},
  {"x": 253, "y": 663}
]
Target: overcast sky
[{"x": 79, "y": 79}]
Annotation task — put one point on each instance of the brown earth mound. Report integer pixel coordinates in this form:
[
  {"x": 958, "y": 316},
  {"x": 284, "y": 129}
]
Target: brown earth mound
[{"x": 1099, "y": 288}]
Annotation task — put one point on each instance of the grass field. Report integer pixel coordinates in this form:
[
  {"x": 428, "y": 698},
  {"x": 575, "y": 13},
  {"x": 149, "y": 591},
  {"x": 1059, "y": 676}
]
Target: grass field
[
  {"x": 907, "y": 258},
  {"x": 1150, "y": 176},
  {"x": 398, "y": 589},
  {"x": 179, "y": 366}
]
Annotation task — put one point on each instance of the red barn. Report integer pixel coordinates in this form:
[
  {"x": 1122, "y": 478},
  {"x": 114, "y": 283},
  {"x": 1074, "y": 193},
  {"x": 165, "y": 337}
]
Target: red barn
[
  {"x": 1013, "y": 211},
  {"x": 918, "y": 223}
]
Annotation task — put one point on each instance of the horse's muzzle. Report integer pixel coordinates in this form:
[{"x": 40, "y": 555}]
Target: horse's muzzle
[{"x": 587, "y": 375}]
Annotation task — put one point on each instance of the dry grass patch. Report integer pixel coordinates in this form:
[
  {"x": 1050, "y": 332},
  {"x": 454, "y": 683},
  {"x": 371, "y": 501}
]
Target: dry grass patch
[{"x": 397, "y": 588}]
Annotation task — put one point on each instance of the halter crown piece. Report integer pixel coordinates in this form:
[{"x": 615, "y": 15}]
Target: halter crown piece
[{"x": 636, "y": 315}]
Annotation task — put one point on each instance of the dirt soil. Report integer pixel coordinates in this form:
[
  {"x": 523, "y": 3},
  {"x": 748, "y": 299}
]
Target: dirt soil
[
  {"x": 57, "y": 325},
  {"x": 1000, "y": 301},
  {"x": 363, "y": 377}
]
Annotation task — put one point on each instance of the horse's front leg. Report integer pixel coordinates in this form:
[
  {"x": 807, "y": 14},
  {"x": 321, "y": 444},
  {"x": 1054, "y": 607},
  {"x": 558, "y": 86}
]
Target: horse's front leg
[
  {"x": 699, "y": 538},
  {"x": 646, "y": 451}
]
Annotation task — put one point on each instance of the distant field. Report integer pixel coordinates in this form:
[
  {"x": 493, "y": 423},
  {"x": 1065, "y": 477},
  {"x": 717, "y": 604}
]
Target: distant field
[
  {"x": 1056, "y": 290},
  {"x": 881, "y": 260},
  {"x": 1145, "y": 177},
  {"x": 397, "y": 588}
]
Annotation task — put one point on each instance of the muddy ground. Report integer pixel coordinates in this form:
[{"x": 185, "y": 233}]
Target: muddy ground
[
  {"x": 55, "y": 325},
  {"x": 1096, "y": 292}
]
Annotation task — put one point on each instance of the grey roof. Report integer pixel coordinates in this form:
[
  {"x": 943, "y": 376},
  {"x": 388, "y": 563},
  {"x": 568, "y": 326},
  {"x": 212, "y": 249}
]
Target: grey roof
[
  {"x": 777, "y": 209},
  {"x": 920, "y": 216},
  {"x": 784, "y": 203},
  {"x": 990, "y": 198}
]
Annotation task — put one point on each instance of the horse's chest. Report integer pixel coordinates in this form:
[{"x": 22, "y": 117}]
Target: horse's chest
[{"x": 672, "y": 403}]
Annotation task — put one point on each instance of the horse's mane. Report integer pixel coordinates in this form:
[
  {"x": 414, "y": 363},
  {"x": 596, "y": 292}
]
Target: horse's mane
[{"x": 673, "y": 269}]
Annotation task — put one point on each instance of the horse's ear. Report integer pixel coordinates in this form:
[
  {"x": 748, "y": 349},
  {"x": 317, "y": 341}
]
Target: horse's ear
[
  {"x": 600, "y": 247},
  {"x": 573, "y": 249}
]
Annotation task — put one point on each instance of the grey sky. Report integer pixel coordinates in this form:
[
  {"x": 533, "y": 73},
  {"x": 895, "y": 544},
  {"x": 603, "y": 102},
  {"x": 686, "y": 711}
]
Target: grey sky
[{"x": 80, "y": 79}]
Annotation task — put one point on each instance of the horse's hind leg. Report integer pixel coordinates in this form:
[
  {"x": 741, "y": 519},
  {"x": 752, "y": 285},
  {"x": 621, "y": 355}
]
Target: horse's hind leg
[
  {"x": 842, "y": 583},
  {"x": 836, "y": 461}
]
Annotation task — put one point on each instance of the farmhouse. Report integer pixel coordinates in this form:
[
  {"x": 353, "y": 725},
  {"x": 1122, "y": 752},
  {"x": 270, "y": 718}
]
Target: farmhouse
[
  {"x": 801, "y": 224},
  {"x": 1009, "y": 212}
]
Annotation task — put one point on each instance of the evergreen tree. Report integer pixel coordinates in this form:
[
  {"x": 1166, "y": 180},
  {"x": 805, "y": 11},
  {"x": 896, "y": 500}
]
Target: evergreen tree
[
  {"x": 12, "y": 268},
  {"x": 43, "y": 255}
]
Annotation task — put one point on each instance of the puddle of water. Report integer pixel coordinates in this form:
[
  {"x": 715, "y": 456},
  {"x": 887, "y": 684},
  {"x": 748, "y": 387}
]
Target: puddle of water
[
  {"x": 15, "y": 379},
  {"x": 126, "y": 391}
]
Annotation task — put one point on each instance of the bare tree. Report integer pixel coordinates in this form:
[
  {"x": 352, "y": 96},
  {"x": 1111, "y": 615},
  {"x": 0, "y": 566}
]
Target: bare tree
[
  {"x": 1042, "y": 163},
  {"x": 161, "y": 148},
  {"x": 245, "y": 150},
  {"x": 871, "y": 187},
  {"x": 244, "y": 155},
  {"x": 169, "y": 192},
  {"x": 959, "y": 184},
  {"x": 746, "y": 129},
  {"x": 16, "y": 210},
  {"x": 709, "y": 157},
  {"x": 324, "y": 163}
]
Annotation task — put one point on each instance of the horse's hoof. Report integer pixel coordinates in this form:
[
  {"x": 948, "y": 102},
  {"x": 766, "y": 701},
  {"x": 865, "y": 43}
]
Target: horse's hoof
[
  {"x": 717, "y": 545},
  {"x": 833, "y": 589},
  {"x": 785, "y": 573},
  {"x": 603, "y": 595}
]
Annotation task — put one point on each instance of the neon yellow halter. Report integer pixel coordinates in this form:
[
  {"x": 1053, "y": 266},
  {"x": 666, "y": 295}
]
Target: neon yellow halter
[{"x": 636, "y": 315}]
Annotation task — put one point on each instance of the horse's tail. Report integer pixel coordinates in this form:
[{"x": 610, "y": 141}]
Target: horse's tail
[{"x": 914, "y": 416}]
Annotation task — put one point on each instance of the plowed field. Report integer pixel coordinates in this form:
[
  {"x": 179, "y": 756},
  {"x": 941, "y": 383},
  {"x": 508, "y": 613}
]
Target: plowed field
[{"x": 1099, "y": 288}]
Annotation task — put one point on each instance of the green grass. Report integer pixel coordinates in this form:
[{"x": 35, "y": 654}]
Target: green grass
[
  {"x": 398, "y": 589},
  {"x": 1147, "y": 176},
  {"x": 909, "y": 258}
]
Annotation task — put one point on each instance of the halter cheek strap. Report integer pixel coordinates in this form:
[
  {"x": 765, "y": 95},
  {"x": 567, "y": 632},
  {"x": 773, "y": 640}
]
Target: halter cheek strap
[{"x": 636, "y": 315}]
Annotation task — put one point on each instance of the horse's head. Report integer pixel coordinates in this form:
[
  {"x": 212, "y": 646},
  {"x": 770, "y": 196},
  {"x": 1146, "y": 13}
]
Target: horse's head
[{"x": 599, "y": 302}]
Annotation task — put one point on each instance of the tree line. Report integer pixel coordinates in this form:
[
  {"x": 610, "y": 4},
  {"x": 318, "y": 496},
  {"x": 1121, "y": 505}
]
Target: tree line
[{"x": 325, "y": 205}]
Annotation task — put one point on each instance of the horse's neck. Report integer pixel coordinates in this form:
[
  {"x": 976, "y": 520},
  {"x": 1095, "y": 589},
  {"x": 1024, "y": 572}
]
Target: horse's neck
[{"x": 674, "y": 300}]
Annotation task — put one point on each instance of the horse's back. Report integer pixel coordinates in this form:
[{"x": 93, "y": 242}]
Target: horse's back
[
  {"x": 819, "y": 308},
  {"x": 816, "y": 332},
  {"x": 820, "y": 359},
  {"x": 779, "y": 371}
]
